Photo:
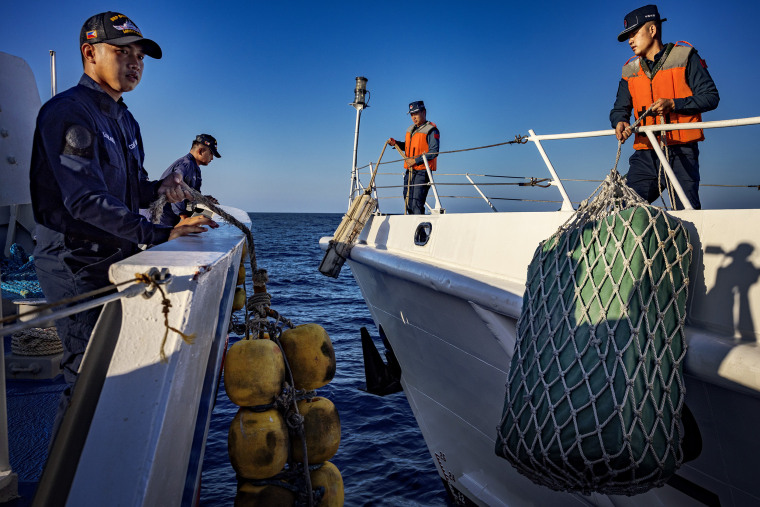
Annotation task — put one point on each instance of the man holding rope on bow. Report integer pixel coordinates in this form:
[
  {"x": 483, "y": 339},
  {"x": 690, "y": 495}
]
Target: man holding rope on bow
[
  {"x": 673, "y": 80},
  {"x": 422, "y": 137}
]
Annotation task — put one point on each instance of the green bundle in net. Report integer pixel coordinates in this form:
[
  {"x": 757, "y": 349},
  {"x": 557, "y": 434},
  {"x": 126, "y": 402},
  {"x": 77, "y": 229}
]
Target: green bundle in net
[{"x": 595, "y": 386}]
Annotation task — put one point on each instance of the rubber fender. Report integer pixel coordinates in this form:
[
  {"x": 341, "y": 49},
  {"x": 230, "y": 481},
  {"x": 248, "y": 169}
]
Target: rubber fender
[
  {"x": 327, "y": 476},
  {"x": 254, "y": 372},
  {"x": 241, "y": 274},
  {"x": 257, "y": 443},
  {"x": 310, "y": 354},
  {"x": 238, "y": 302},
  {"x": 321, "y": 426},
  {"x": 269, "y": 495}
]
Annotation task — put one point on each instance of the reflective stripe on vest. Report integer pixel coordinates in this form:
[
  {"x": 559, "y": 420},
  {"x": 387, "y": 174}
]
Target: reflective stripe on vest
[
  {"x": 669, "y": 82},
  {"x": 417, "y": 144}
]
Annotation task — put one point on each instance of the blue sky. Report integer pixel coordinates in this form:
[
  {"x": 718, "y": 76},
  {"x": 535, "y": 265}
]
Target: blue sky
[{"x": 272, "y": 81}]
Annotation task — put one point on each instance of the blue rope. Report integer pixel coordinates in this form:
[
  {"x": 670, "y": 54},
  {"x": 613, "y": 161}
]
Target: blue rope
[{"x": 19, "y": 280}]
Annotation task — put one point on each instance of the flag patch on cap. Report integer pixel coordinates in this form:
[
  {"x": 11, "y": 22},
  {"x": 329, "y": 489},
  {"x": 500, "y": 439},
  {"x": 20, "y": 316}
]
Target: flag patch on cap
[{"x": 92, "y": 34}]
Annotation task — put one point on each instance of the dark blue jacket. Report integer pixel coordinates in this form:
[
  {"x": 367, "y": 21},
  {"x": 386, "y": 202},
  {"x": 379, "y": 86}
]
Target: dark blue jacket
[
  {"x": 191, "y": 174},
  {"x": 87, "y": 175}
]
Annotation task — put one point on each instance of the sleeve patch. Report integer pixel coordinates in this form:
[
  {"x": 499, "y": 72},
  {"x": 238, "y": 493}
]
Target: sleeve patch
[{"x": 78, "y": 142}]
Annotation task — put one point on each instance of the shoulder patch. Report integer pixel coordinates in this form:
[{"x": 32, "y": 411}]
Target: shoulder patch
[{"x": 78, "y": 142}]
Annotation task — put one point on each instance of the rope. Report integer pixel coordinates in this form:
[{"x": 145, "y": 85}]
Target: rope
[
  {"x": 67, "y": 301},
  {"x": 146, "y": 278},
  {"x": 166, "y": 304},
  {"x": 157, "y": 207},
  {"x": 257, "y": 323},
  {"x": 517, "y": 140},
  {"x": 36, "y": 342}
]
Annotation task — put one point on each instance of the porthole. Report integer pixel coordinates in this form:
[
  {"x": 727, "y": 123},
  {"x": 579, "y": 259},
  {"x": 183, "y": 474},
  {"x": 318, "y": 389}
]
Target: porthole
[{"x": 422, "y": 234}]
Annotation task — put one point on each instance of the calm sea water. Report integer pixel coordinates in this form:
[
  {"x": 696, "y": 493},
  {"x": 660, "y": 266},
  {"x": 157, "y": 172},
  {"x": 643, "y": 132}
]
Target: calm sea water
[{"x": 382, "y": 456}]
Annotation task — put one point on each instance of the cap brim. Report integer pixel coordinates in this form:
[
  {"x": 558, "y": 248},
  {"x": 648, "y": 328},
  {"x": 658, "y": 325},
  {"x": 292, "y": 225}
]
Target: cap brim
[
  {"x": 149, "y": 47},
  {"x": 625, "y": 34},
  {"x": 216, "y": 153}
]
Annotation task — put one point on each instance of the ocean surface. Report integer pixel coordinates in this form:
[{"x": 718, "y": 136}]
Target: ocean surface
[{"x": 382, "y": 457}]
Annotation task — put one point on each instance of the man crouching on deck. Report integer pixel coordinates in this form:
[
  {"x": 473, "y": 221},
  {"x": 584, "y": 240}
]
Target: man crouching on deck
[{"x": 88, "y": 180}]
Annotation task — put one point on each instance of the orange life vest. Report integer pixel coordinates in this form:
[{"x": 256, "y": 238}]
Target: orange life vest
[
  {"x": 417, "y": 144},
  {"x": 668, "y": 82}
]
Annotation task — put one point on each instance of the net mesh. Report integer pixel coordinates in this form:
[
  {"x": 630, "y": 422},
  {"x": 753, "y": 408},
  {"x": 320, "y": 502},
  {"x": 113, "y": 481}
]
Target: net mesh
[{"x": 595, "y": 386}]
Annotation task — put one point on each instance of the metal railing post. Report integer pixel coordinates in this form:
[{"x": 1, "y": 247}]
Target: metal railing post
[
  {"x": 467, "y": 175},
  {"x": 437, "y": 208},
  {"x": 566, "y": 204},
  {"x": 8, "y": 479},
  {"x": 669, "y": 171}
]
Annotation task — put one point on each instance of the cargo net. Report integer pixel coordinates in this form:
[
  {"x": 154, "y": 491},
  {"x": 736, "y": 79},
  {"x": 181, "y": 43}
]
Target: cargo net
[{"x": 595, "y": 386}]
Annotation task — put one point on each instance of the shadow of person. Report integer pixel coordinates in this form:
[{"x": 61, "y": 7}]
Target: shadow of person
[{"x": 729, "y": 296}]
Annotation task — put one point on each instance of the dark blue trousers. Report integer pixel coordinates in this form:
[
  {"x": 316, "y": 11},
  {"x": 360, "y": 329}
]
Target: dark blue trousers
[
  {"x": 683, "y": 158},
  {"x": 418, "y": 191},
  {"x": 68, "y": 268}
]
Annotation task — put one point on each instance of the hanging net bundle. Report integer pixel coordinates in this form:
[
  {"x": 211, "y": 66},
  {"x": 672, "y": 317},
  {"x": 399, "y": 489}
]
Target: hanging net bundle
[{"x": 595, "y": 386}]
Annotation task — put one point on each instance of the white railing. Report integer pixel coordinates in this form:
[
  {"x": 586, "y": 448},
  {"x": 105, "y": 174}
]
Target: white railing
[{"x": 554, "y": 180}]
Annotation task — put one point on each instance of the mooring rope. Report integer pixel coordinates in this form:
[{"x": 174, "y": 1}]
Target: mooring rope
[
  {"x": 257, "y": 323},
  {"x": 157, "y": 207}
]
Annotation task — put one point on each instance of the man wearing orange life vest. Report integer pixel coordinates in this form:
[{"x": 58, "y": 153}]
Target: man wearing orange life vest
[
  {"x": 421, "y": 138},
  {"x": 674, "y": 80}
]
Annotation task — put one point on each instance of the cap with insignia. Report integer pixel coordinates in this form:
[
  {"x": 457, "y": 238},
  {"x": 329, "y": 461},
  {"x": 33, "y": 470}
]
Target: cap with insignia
[
  {"x": 117, "y": 29},
  {"x": 416, "y": 106},
  {"x": 635, "y": 19},
  {"x": 208, "y": 140}
]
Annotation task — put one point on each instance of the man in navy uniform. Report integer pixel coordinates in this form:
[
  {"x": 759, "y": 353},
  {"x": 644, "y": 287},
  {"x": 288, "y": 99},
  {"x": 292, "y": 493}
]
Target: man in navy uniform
[
  {"x": 421, "y": 138},
  {"x": 202, "y": 152},
  {"x": 88, "y": 180},
  {"x": 673, "y": 80}
]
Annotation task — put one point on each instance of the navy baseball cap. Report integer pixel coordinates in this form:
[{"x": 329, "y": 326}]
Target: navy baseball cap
[
  {"x": 117, "y": 29},
  {"x": 634, "y": 19},
  {"x": 208, "y": 140},
  {"x": 416, "y": 106}
]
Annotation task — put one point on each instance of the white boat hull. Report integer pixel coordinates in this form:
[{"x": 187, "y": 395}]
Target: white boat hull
[{"x": 449, "y": 310}]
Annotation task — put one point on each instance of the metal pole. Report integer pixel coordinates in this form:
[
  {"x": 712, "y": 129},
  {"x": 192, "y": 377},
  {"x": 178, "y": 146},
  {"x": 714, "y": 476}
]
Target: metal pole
[
  {"x": 669, "y": 171},
  {"x": 66, "y": 450},
  {"x": 132, "y": 290},
  {"x": 432, "y": 184},
  {"x": 567, "y": 205},
  {"x": 354, "y": 175},
  {"x": 467, "y": 175},
  {"x": 53, "y": 76},
  {"x": 8, "y": 479}
]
